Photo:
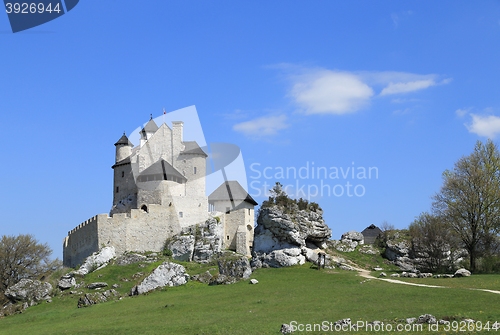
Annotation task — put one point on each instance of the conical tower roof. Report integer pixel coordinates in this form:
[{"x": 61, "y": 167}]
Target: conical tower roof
[{"x": 123, "y": 141}]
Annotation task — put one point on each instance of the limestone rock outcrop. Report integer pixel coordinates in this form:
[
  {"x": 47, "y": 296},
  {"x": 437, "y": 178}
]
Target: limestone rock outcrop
[
  {"x": 67, "y": 281},
  {"x": 29, "y": 291},
  {"x": 90, "y": 299},
  {"x": 130, "y": 258},
  {"x": 232, "y": 268},
  {"x": 199, "y": 244},
  {"x": 286, "y": 239},
  {"x": 167, "y": 274},
  {"x": 348, "y": 242},
  {"x": 96, "y": 260}
]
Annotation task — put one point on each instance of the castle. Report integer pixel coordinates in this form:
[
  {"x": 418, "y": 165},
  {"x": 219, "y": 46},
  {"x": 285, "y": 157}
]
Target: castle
[{"x": 159, "y": 190}]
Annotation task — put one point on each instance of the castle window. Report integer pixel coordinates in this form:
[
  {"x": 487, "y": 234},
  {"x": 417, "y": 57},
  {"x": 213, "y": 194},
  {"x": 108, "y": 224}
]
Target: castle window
[
  {"x": 117, "y": 189},
  {"x": 228, "y": 210},
  {"x": 123, "y": 174},
  {"x": 249, "y": 211},
  {"x": 144, "y": 208},
  {"x": 194, "y": 170},
  {"x": 181, "y": 214},
  {"x": 227, "y": 237}
]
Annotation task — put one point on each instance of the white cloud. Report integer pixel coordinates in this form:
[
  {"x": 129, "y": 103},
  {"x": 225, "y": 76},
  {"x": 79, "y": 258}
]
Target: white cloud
[
  {"x": 329, "y": 92},
  {"x": 461, "y": 112},
  {"x": 405, "y": 87},
  {"x": 262, "y": 126},
  {"x": 484, "y": 125}
]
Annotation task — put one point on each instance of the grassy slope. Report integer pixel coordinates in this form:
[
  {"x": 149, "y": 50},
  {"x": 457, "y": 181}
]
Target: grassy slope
[{"x": 282, "y": 295}]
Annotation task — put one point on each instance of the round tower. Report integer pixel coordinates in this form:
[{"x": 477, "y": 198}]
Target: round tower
[{"x": 123, "y": 148}]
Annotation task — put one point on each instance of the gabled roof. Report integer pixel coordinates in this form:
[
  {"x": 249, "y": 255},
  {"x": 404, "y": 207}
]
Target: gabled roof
[
  {"x": 231, "y": 190},
  {"x": 162, "y": 167},
  {"x": 124, "y": 141},
  {"x": 192, "y": 148}
]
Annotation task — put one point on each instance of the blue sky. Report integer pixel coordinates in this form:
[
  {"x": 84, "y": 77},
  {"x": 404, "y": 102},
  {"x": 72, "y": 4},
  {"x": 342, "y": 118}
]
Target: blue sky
[{"x": 403, "y": 87}]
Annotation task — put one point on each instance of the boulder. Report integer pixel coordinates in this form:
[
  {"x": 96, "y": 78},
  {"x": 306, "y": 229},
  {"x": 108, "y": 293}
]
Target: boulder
[
  {"x": 427, "y": 318},
  {"x": 254, "y": 281},
  {"x": 29, "y": 291},
  {"x": 283, "y": 257},
  {"x": 353, "y": 236},
  {"x": 93, "y": 286},
  {"x": 167, "y": 274},
  {"x": 234, "y": 266},
  {"x": 205, "y": 277},
  {"x": 462, "y": 273},
  {"x": 66, "y": 282},
  {"x": 286, "y": 329},
  {"x": 90, "y": 299},
  {"x": 96, "y": 260}
]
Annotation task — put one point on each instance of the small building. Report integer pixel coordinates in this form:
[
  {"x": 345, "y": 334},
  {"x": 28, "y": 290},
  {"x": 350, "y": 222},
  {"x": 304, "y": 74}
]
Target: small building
[
  {"x": 237, "y": 205},
  {"x": 371, "y": 233}
]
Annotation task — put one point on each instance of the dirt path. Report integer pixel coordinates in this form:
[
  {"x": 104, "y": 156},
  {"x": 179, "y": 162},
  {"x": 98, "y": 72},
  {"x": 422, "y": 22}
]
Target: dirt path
[{"x": 366, "y": 274}]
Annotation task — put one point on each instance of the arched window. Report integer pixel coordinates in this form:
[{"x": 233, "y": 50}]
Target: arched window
[{"x": 144, "y": 208}]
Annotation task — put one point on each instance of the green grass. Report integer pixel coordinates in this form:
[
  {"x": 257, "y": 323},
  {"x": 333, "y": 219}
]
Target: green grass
[
  {"x": 282, "y": 295},
  {"x": 366, "y": 261},
  {"x": 481, "y": 281}
]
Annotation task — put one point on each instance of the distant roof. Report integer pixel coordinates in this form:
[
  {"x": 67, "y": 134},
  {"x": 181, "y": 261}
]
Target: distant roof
[
  {"x": 124, "y": 140},
  {"x": 191, "y": 147},
  {"x": 371, "y": 233},
  {"x": 150, "y": 127},
  {"x": 231, "y": 190},
  {"x": 162, "y": 167}
]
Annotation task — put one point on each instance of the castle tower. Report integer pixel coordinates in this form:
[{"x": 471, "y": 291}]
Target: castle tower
[
  {"x": 123, "y": 148},
  {"x": 124, "y": 188}
]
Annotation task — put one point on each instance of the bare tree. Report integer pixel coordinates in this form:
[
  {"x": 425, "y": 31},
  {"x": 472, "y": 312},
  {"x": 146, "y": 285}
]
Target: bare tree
[
  {"x": 434, "y": 242},
  {"x": 23, "y": 257},
  {"x": 469, "y": 200}
]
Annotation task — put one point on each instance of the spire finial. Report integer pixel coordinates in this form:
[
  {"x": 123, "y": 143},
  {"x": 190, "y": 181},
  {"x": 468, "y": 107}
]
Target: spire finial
[
  {"x": 151, "y": 116},
  {"x": 124, "y": 133}
]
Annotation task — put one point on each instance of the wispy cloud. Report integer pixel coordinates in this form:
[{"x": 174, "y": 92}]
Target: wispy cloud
[
  {"x": 395, "y": 88},
  {"x": 484, "y": 125},
  {"x": 461, "y": 112},
  {"x": 330, "y": 92},
  {"x": 323, "y": 91},
  {"x": 262, "y": 126}
]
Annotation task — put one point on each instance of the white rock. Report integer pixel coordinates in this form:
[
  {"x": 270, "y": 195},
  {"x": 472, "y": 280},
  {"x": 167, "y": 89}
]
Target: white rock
[
  {"x": 462, "y": 273},
  {"x": 167, "y": 274},
  {"x": 96, "y": 260},
  {"x": 254, "y": 281}
]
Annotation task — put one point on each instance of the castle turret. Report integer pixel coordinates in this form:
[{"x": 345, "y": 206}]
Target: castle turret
[
  {"x": 123, "y": 148},
  {"x": 149, "y": 129}
]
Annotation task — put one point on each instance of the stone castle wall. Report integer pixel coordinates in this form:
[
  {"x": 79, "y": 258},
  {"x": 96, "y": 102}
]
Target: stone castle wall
[{"x": 138, "y": 231}]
